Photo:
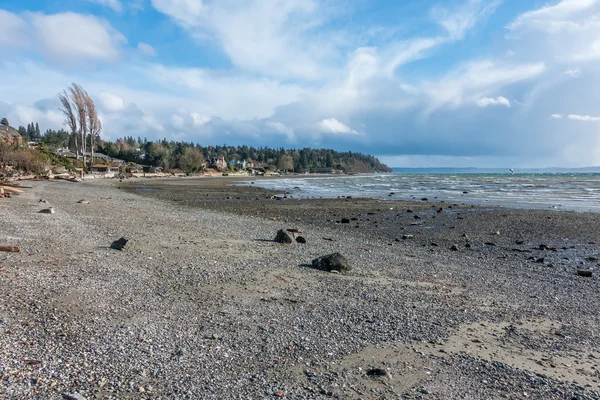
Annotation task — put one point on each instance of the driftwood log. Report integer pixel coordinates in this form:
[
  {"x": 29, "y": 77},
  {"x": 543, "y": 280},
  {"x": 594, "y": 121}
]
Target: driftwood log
[
  {"x": 11, "y": 190},
  {"x": 10, "y": 249}
]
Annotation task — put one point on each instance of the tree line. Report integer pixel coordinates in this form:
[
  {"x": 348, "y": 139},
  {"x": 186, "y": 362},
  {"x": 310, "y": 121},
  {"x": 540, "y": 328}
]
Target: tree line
[{"x": 190, "y": 157}]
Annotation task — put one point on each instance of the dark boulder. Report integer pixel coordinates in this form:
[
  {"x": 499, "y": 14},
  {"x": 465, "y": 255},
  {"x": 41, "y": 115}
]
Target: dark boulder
[
  {"x": 301, "y": 239},
  {"x": 585, "y": 272},
  {"x": 331, "y": 262},
  {"x": 345, "y": 220},
  {"x": 283, "y": 237},
  {"x": 119, "y": 244}
]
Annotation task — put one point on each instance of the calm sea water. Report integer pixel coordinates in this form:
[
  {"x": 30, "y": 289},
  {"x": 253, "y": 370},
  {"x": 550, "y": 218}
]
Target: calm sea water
[{"x": 562, "y": 191}]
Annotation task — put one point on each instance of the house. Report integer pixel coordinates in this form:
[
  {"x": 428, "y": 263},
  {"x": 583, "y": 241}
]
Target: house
[
  {"x": 104, "y": 169},
  {"x": 218, "y": 162},
  {"x": 10, "y": 135}
]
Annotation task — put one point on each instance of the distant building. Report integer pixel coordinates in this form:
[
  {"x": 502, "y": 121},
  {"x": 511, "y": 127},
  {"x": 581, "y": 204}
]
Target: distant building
[
  {"x": 218, "y": 162},
  {"x": 104, "y": 169},
  {"x": 10, "y": 135}
]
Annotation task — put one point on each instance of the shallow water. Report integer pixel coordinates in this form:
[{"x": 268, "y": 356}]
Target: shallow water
[{"x": 563, "y": 191}]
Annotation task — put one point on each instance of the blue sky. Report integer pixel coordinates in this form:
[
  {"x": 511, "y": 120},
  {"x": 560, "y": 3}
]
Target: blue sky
[{"x": 423, "y": 83}]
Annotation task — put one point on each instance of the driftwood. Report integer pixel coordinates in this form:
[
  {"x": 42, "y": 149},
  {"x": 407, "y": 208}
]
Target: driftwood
[
  {"x": 10, "y": 249},
  {"x": 11, "y": 190}
]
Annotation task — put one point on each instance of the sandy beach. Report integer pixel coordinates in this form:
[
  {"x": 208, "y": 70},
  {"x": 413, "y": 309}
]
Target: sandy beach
[{"x": 443, "y": 301}]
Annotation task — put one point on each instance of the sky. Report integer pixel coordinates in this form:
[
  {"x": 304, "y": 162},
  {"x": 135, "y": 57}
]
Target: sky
[{"x": 417, "y": 83}]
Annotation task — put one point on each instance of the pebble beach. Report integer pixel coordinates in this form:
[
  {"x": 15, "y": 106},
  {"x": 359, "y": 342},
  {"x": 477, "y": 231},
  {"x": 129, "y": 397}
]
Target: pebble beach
[{"x": 443, "y": 301}]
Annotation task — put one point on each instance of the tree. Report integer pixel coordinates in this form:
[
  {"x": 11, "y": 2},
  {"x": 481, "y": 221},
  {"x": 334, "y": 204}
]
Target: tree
[
  {"x": 191, "y": 160},
  {"x": 78, "y": 96},
  {"x": 37, "y": 131},
  {"x": 4, "y": 121},
  {"x": 81, "y": 117},
  {"x": 93, "y": 122},
  {"x": 285, "y": 163},
  {"x": 68, "y": 109}
]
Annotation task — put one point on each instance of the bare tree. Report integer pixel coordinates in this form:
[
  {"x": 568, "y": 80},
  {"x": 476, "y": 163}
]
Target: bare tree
[
  {"x": 79, "y": 97},
  {"x": 94, "y": 124},
  {"x": 71, "y": 121},
  {"x": 82, "y": 118}
]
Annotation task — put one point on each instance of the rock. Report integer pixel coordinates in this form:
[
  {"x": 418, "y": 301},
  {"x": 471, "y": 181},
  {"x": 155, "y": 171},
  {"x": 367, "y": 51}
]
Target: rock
[
  {"x": 409, "y": 210},
  {"x": 345, "y": 220},
  {"x": 73, "y": 396},
  {"x": 283, "y": 237},
  {"x": 377, "y": 372},
  {"x": 331, "y": 262},
  {"x": 119, "y": 244},
  {"x": 424, "y": 199},
  {"x": 301, "y": 239},
  {"x": 544, "y": 247},
  {"x": 454, "y": 247},
  {"x": 405, "y": 237},
  {"x": 468, "y": 245},
  {"x": 592, "y": 258},
  {"x": 417, "y": 217},
  {"x": 43, "y": 201},
  {"x": 82, "y": 201},
  {"x": 585, "y": 272},
  {"x": 490, "y": 244},
  {"x": 439, "y": 210},
  {"x": 47, "y": 211},
  {"x": 519, "y": 241}
]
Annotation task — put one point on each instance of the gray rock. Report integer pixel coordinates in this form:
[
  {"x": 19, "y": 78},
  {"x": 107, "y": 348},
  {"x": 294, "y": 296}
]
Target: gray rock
[
  {"x": 331, "y": 262},
  {"x": 454, "y": 247},
  {"x": 73, "y": 396},
  {"x": 47, "y": 211},
  {"x": 345, "y": 220},
  {"x": 283, "y": 237}
]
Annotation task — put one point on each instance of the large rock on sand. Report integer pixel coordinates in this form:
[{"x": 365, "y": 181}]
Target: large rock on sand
[
  {"x": 283, "y": 237},
  {"x": 332, "y": 262}
]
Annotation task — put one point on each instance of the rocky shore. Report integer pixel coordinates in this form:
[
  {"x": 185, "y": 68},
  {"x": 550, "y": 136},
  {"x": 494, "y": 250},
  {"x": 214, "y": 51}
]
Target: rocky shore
[{"x": 442, "y": 301}]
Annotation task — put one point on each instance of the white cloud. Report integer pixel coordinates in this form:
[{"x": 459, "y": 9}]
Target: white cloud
[
  {"x": 471, "y": 81},
  {"x": 199, "y": 119},
  {"x": 552, "y": 18},
  {"x": 146, "y": 49},
  {"x": 458, "y": 21},
  {"x": 574, "y": 73},
  {"x": 586, "y": 118},
  {"x": 111, "y": 102},
  {"x": 490, "y": 101},
  {"x": 69, "y": 38},
  {"x": 567, "y": 31},
  {"x": 185, "y": 12},
  {"x": 556, "y": 116},
  {"x": 279, "y": 127},
  {"x": 332, "y": 125},
  {"x": 115, "y": 5},
  {"x": 12, "y": 30}
]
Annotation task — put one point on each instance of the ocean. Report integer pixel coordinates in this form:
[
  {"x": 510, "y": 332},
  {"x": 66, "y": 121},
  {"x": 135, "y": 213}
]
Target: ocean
[{"x": 578, "y": 191}]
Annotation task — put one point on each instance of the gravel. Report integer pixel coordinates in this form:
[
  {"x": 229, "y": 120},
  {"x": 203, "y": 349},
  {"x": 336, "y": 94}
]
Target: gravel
[{"x": 201, "y": 303}]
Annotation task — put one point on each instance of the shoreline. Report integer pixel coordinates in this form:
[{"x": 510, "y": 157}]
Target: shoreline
[{"x": 204, "y": 305}]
